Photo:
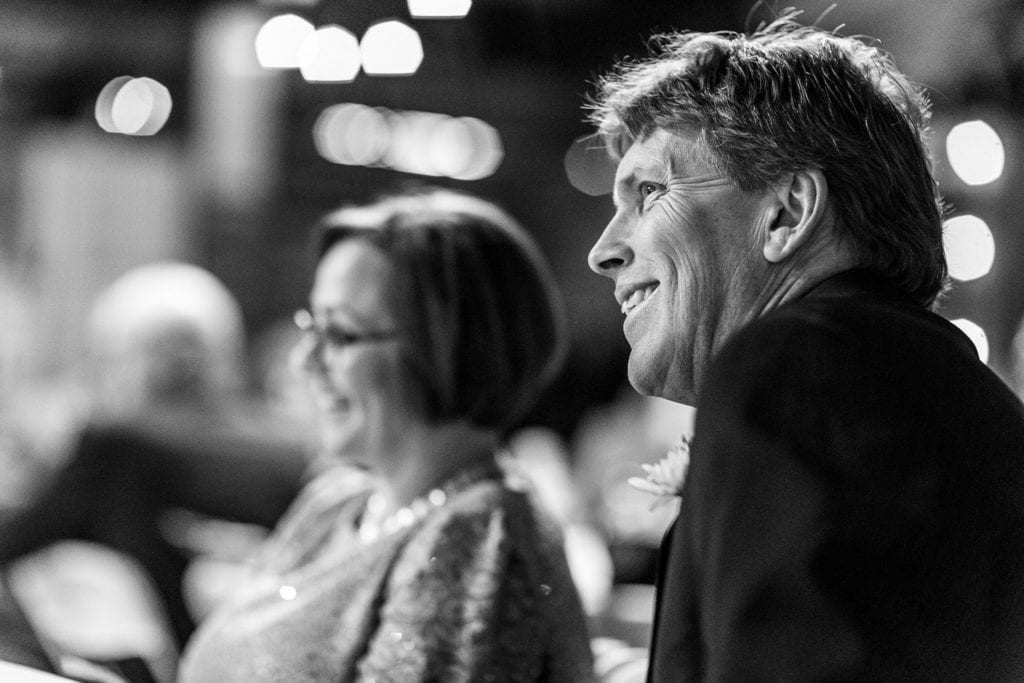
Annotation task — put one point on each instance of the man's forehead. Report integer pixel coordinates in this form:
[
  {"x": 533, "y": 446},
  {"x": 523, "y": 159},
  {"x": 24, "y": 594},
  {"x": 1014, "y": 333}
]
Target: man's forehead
[{"x": 673, "y": 149}]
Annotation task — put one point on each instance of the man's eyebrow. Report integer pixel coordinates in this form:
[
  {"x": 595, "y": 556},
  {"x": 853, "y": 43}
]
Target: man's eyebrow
[{"x": 628, "y": 179}]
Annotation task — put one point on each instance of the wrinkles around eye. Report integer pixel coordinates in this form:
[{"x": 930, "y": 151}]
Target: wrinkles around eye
[
  {"x": 647, "y": 202},
  {"x": 680, "y": 192}
]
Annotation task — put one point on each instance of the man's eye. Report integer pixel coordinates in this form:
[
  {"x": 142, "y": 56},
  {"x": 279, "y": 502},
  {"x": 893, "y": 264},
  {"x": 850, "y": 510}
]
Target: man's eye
[{"x": 647, "y": 189}]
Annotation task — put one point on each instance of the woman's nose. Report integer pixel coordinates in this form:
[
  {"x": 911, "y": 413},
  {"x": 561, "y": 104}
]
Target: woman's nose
[{"x": 307, "y": 355}]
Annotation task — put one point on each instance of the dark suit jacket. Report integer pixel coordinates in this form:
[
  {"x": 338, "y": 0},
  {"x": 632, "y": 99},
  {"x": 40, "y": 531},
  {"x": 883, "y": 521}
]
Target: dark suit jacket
[{"x": 854, "y": 508}]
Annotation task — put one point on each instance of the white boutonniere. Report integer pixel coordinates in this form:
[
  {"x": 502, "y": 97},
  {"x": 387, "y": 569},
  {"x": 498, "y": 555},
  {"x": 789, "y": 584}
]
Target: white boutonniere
[{"x": 665, "y": 478}]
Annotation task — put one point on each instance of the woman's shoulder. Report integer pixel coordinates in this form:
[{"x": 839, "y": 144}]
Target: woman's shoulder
[
  {"x": 498, "y": 504},
  {"x": 316, "y": 513},
  {"x": 330, "y": 488},
  {"x": 492, "y": 521},
  {"x": 487, "y": 555}
]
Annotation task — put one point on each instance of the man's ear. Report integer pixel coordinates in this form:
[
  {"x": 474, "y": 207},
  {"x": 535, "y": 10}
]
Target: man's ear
[{"x": 801, "y": 210}]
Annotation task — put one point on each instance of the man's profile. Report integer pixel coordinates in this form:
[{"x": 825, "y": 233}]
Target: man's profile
[{"x": 852, "y": 509}]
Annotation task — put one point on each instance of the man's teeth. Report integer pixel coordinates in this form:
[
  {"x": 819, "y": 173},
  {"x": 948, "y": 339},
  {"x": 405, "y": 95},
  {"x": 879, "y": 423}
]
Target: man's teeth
[{"x": 637, "y": 298}]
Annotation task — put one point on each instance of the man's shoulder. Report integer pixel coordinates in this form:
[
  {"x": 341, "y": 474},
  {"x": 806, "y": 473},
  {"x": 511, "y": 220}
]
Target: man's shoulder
[
  {"x": 852, "y": 320},
  {"x": 863, "y": 354},
  {"x": 805, "y": 324},
  {"x": 856, "y": 338},
  {"x": 793, "y": 345},
  {"x": 846, "y": 306}
]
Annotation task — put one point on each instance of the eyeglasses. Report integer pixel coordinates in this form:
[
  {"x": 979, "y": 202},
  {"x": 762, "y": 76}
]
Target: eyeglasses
[{"x": 333, "y": 336}]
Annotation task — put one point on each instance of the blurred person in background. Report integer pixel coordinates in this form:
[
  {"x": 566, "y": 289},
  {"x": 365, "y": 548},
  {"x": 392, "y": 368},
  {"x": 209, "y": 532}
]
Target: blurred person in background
[
  {"x": 20, "y": 644},
  {"x": 222, "y": 550},
  {"x": 853, "y": 508},
  {"x": 433, "y": 327},
  {"x": 168, "y": 441}
]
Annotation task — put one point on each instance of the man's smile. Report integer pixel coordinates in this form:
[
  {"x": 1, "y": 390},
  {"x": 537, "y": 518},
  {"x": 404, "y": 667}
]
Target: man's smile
[{"x": 633, "y": 297}]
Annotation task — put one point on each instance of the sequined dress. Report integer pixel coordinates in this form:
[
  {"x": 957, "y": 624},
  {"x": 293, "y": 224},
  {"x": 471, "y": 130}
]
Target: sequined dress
[{"x": 476, "y": 589}]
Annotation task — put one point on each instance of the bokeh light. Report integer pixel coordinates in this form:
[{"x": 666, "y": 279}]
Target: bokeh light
[
  {"x": 391, "y": 48},
  {"x": 279, "y": 41},
  {"x": 969, "y": 246},
  {"x": 105, "y": 103},
  {"x": 439, "y": 9},
  {"x": 351, "y": 134},
  {"x": 331, "y": 54},
  {"x": 411, "y": 134},
  {"x": 977, "y": 336},
  {"x": 141, "y": 107},
  {"x": 133, "y": 106},
  {"x": 975, "y": 152},
  {"x": 486, "y": 150},
  {"x": 424, "y": 143},
  {"x": 588, "y": 166},
  {"x": 451, "y": 146}
]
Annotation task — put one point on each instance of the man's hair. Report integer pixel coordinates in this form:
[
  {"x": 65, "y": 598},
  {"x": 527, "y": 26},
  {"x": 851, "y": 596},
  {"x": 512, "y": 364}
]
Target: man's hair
[
  {"x": 484, "y": 330},
  {"x": 789, "y": 97}
]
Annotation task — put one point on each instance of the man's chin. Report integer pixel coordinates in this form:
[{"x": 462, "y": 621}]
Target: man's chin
[
  {"x": 664, "y": 383},
  {"x": 640, "y": 377}
]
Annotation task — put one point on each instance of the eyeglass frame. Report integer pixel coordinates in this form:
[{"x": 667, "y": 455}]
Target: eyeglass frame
[{"x": 322, "y": 336}]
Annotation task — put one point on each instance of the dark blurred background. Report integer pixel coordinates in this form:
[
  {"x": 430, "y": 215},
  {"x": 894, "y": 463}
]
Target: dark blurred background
[{"x": 95, "y": 184}]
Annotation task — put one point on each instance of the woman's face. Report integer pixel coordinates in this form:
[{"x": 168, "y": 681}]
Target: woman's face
[{"x": 352, "y": 354}]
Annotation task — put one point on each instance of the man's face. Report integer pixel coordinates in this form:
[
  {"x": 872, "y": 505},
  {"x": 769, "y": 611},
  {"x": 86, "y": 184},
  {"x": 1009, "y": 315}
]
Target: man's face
[{"x": 685, "y": 251}]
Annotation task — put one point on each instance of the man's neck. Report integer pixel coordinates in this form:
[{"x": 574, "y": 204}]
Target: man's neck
[{"x": 818, "y": 261}]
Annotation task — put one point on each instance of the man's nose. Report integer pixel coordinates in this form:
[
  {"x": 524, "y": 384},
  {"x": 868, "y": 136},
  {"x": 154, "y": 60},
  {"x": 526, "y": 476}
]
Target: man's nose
[{"x": 611, "y": 251}]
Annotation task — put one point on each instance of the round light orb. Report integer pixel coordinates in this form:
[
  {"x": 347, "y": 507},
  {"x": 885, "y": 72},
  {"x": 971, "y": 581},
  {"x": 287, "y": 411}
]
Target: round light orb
[
  {"x": 351, "y": 134},
  {"x": 451, "y": 146},
  {"x": 105, "y": 103},
  {"x": 976, "y": 334},
  {"x": 140, "y": 107},
  {"x": 410, "y": 148},
  {"x": 975, "y": 152},
  {"x": 487, "y": 150},
  {"x": 439, "y": 9},
  {"x": 391, "y": 48},
  {"x": 280, "y": 40},
  {"x": 132, "y": 106},
  {"x": 588, "y": 166},
  {"x": 969, "y": 247},
  {"x": 464, "y": 148},
  {"x": 330, "y": 55},
  {"x": 329, "y": 133}
]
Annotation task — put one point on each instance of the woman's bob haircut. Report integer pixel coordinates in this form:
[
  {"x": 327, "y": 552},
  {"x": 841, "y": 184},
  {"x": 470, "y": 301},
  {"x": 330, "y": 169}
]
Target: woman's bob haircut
[{"x": 483, "y": 326}]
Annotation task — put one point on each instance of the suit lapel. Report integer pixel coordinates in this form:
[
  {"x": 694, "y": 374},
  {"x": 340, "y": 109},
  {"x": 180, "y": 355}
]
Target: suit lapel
[{"x": 675, "y": 634}]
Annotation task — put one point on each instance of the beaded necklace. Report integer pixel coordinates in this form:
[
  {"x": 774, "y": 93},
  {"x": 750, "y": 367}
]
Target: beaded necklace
[{"x": 374, "y": 524}]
